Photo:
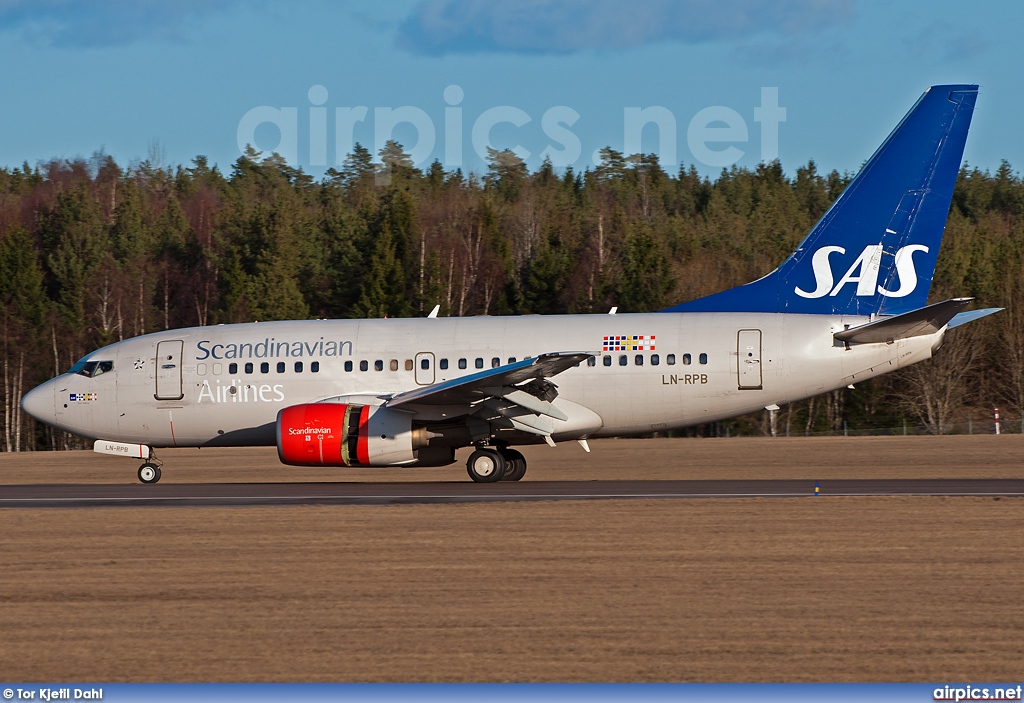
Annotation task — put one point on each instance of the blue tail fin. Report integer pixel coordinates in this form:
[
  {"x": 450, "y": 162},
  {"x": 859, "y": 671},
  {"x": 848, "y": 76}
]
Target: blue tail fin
[{"x": 874, "y": 251}]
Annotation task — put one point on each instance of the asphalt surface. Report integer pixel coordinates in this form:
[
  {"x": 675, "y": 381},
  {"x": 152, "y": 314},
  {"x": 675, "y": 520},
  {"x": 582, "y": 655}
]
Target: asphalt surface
[{"x": 250, "y": 494}]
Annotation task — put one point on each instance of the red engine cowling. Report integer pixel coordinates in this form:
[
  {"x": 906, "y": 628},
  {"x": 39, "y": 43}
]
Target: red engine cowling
[{"x": 342, "y": 434}]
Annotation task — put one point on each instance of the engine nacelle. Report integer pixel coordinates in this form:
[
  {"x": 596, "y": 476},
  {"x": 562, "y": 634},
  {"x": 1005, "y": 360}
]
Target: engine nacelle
[{"x": 343, "y": 434}]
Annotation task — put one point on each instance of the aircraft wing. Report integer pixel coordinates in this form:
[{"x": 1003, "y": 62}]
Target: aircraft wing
[{"x": 516, "y": 395}]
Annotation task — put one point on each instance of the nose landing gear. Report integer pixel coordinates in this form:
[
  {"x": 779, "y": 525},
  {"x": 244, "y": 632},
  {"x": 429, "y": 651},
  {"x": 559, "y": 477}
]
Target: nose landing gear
[{"x": 150, "y": 471}]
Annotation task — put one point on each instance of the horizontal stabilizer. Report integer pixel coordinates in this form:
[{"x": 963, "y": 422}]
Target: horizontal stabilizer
[
  {"x": 916, "y": 323},
  {"x": 970, "y": 316}
]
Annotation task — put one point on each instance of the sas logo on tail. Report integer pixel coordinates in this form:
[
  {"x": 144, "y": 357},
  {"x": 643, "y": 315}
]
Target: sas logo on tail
[{"x": 863, "y": 272}]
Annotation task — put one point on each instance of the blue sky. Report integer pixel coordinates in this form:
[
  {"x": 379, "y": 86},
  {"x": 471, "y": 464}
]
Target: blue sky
[{"x": 127, "y": 76}]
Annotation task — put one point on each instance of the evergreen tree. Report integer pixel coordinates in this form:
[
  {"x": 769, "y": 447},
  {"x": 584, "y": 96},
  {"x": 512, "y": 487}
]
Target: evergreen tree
[
  {"x": 646, "y": 280},
  {"x": 383, "y": 290}
]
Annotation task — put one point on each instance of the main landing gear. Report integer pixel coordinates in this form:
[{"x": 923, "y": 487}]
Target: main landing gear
[
  {"x": 490, "y": 465},
  {"x": 516, "y": 465}
]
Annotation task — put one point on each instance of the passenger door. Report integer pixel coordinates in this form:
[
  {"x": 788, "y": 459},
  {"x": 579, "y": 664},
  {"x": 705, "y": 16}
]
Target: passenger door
[
  {"x": 168, "y": 370},
  {"x": 748, "y": 347}
]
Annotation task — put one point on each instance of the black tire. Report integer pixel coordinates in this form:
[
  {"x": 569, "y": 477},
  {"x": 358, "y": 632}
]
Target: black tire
[
  {"x": 149, "y": 473},
  {"x": 516, "y": 468},
  {"x": 486, "y": 466}
]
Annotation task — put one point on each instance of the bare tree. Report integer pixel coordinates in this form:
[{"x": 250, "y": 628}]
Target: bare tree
[
  {"x": 834, "y": 403},
  {"x": 1010, "y": 343},
  {"x": 934, "y": 390}
]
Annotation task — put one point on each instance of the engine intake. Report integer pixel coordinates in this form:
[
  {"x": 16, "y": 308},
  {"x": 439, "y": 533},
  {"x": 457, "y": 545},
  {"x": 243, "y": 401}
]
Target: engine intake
[{"x": 342, "y": 434}]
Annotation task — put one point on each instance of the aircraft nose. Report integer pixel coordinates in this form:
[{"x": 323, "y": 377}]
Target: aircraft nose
[{"x": 38, "y": 402}]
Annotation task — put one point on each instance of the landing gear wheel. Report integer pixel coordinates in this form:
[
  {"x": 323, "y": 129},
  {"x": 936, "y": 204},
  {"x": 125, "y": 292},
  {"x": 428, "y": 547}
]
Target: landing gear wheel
[
  {"x": 516, "y": 468},
  {"x": 486, "y": 466},
  {"x": 149, "y": 473}
]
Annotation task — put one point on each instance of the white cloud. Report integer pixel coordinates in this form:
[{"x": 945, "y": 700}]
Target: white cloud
[
  {"x": 92, "y": 23},
  {"x": 439, "y": 27}
]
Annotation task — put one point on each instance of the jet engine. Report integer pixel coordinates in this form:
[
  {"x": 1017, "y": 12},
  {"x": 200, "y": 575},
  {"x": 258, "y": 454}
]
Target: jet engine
[{"x": 343, "y": 434}]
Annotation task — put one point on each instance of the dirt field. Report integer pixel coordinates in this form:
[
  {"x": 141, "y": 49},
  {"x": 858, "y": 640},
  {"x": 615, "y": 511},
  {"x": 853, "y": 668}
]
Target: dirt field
[{"x": 806, "y": 589}]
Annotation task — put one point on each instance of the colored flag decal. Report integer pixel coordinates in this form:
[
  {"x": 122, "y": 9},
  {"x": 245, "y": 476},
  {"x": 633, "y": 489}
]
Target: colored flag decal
[
  {"x": 82, "y": 397},
  {"x": 629, "y": 342}
]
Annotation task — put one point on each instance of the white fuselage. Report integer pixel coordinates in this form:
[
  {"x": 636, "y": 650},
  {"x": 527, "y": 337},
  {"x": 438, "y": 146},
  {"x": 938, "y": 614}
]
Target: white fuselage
[{"x": 693, "y": 368}]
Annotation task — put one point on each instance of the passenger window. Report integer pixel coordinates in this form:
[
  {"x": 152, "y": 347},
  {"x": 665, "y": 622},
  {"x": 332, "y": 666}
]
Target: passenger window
[
  {"x": 623, "y": 360},
  {"x": 495, "y": 362},
  {"x": 639, "y": 360},
  {"x": 232, "y": 368},
  {"x": 443, "y": 364},
  {"x": 378, "y": 365},
  {"x": 655, "y": 359},
  {"x": 479, "y": 363},
  {"x": 248, "y": 367},
  {"x": 703, "y": 358},
  {"x": 607, "y": 361},
  {"x": 298, "y": 367},
  {"x": 425, "y": 364},
  {"x": 394, "y": 364},
  {"x": 364, "y": 365},
  {"x": 686, "y": 359},
  {"x": 408, "y": 364},
  {"x": 265, "y": 367},
  {"x": 670, "y": 359},
  {"x": 281, "y": 366},
  {"x": 348, "y": 365},
  {"x": 462, "y": 363},
  {"x": 511, "y": 360},
  {"x": 592, "y": 361},
  {"x": 218, "y": 369},
  {"x": 201, "y": 369},
  {"x": 314, "y": 367}
]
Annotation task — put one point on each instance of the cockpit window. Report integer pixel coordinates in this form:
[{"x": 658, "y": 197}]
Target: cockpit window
[
  {"x": 92, "y": 369},
  {"x": 78, "y": 365}
]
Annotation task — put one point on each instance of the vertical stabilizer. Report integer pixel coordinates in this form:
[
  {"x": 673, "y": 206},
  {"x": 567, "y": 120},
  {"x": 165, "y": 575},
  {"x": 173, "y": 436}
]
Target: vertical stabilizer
[{"x": 874, "y": 250}]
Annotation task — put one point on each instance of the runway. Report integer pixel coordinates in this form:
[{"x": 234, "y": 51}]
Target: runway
[{"x": 253, "y": 494}]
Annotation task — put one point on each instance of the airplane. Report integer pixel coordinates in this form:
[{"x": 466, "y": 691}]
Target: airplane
[{"x": 847, "y": 305}]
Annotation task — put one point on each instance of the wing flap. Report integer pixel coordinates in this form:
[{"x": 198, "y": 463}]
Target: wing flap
[{"x": 536, "y": 405}]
